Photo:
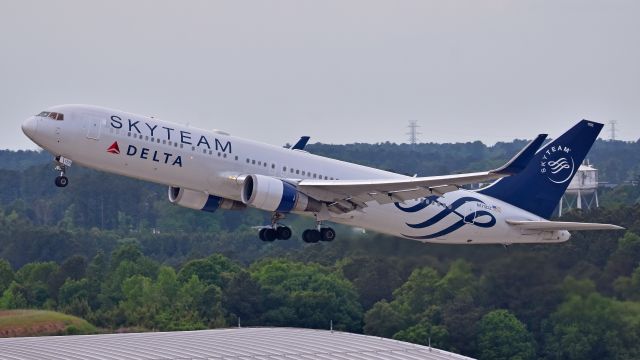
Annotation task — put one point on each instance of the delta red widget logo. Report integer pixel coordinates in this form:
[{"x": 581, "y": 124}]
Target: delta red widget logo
[{"x": 114, "y": 149}]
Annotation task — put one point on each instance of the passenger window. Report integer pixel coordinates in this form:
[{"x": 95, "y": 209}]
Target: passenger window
[{"x": 298, "y": 172}]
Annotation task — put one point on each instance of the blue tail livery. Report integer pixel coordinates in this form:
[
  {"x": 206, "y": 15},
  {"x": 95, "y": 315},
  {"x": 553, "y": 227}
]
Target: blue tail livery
[{"x": 539, "y": 187}]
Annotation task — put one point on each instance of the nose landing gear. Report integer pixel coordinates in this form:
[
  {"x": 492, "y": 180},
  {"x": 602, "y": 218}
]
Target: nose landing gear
[
  {"x": 62, "y": 181},
  {"x": 62, "y": 164}
]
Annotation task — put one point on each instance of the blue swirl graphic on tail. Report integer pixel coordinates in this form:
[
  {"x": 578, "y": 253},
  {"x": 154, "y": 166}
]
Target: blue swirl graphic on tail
[{"x": 447, "y": 210}]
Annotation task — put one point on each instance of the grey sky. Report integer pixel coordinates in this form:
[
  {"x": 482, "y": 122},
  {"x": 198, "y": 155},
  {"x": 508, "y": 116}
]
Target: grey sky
[{"x": 340, "y": 71}]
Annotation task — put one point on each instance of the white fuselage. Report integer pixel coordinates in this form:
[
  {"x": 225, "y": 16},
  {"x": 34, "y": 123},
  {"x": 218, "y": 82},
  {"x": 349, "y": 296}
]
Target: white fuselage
[{"x": 212, "y": 162}]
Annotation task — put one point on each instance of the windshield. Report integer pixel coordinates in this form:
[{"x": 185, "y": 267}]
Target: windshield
[{"x": 52, "y": 115}]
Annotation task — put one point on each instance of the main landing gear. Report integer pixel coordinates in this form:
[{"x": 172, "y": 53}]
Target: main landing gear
[
  {"x": 62, "y": 164},
  {"x": 275, "y": 231},
  {"x": 280, "y": 232},
  {"x": 319, "y": 234}
]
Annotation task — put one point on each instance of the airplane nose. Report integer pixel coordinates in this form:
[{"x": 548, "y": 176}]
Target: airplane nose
[{"x": 29, "y": 127}]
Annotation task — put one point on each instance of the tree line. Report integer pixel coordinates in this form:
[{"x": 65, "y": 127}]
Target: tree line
[{"x": 575, "y": 300}]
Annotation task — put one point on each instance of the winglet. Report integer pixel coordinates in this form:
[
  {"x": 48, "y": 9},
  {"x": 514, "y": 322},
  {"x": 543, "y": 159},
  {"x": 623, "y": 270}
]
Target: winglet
[
  {"x": 522, "y": 159},
  {"x": 300, "y": 145}
]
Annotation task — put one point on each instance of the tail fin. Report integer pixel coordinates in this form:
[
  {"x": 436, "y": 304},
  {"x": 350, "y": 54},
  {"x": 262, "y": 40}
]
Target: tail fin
[{"x": 539, "y": 187}]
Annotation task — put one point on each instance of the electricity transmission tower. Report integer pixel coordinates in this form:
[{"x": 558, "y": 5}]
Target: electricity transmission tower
[
  {"x": 613, "y": 123},
  {"x": 413, "y": 132}
]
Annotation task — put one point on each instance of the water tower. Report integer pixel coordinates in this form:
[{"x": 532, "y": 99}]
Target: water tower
[{"x": 582, "y": 192}]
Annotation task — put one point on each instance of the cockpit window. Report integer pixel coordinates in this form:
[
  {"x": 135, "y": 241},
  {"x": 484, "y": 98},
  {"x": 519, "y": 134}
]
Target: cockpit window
[{"x": 52, "y": 115}]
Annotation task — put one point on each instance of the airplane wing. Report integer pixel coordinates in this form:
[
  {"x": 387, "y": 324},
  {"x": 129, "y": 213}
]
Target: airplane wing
[
  {"x": 348, "y": 195},
  {"x": 561, "y": 225}
]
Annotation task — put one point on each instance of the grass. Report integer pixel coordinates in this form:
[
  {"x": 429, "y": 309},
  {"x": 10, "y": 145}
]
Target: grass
[{"x": 15, "y": 323}]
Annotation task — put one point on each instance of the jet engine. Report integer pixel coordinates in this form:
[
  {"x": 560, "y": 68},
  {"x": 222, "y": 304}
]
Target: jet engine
[
  {"x": 271, "y": 194},
  {"x": 199, "y": 200}
]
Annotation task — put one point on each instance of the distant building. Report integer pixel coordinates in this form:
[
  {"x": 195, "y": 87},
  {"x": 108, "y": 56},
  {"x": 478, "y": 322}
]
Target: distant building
[{"x": 582, "y": 192}]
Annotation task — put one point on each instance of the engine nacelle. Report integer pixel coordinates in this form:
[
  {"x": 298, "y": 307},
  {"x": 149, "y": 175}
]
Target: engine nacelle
[
  {"x": 199, "y": 200},
  {"x": 271, "y": 194}
]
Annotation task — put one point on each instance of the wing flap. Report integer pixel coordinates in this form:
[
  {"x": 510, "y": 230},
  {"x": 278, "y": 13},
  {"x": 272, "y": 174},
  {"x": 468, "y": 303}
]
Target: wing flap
[{"x": 560, "y": 225}]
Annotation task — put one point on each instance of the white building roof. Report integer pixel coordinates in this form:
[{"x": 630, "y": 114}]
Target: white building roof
[{"x": 231, "y": 344}]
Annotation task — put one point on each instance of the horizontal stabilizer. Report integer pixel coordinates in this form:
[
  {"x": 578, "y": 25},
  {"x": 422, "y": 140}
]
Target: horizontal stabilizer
[{"x": 561, "y": 225}]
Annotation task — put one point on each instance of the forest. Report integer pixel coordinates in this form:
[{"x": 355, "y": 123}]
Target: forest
[{"x": 114, "y": 252}]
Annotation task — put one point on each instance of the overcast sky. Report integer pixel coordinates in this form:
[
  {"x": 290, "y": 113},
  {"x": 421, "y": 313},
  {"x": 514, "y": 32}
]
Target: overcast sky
[{"x": 340, "y": 71}]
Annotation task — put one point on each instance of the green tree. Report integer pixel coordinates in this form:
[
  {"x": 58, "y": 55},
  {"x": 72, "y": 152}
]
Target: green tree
[
  {"x": 14, "y": 297},
  {"x": 243, "y": 298},
  {"x": 140, "y": 301},
  {"x": 385, "y": 320},
  {"x": 73, "y": 297},
  {"x": 502, "y": 336},
  {"x": 425, "y": 333},
  {"x": 214, "y": 270},
  {"x": 374, "y": 278},
  {"x": 307, "y": 296},
  {"x": 593, "y": 327},
  {"x": 6, "y": 275},
  {"x": 623, "y": 261}
]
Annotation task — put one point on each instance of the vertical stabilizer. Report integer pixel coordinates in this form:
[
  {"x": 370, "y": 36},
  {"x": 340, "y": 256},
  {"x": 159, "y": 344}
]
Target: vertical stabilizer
[{"x": 539, "y": 187}]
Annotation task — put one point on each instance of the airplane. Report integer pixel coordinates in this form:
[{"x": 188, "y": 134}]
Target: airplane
[{"x": 211, "y": 170}]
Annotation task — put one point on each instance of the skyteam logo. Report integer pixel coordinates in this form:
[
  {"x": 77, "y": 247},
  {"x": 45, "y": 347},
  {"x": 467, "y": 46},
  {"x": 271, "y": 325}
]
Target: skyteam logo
[{"x": 557, "y": 164}]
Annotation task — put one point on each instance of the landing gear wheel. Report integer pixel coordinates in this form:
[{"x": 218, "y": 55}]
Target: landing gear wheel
[
  {"x": 311, "y": 236},
  {"x": 327, "y": 234},
  {"x": 62, "y": 181},
  {"x": 283, "y": 233},
  {"x": 268, "y": 234}
]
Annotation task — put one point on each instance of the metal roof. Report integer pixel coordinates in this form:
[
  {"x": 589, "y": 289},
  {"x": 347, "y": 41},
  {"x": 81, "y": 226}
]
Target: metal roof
[{"x": 231, "y": 344}]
